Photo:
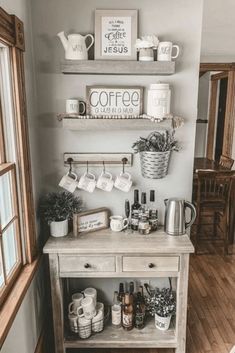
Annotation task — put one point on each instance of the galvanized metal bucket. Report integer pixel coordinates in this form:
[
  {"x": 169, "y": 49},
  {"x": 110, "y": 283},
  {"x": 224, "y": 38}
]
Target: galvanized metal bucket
[{"x": 154, "y": 165}]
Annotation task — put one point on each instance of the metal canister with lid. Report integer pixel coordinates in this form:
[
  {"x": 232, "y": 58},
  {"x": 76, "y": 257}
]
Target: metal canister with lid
[{"x": 159, "y": 100}]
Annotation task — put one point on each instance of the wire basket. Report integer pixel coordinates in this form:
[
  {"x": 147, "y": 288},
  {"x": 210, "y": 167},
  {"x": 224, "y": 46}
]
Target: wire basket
[
  {"x": 154, "y": 165},
  {"x": 95, "y": 326}
]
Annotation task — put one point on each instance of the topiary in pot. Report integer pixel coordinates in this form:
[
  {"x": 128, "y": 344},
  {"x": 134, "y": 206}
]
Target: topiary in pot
[
  {"x": 57, "y": 208},
  {"x": 155, "y": 151}
]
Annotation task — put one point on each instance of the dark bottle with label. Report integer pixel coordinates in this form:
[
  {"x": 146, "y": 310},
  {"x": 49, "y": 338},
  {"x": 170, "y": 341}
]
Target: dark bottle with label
[
  {"x": 131, "y": 291},
  {"x": 143, "y": 208},
  {"x": 135, "y": 211},
  {"x": 121, "y": 292},
  {"x": 127, "y": 313},
  {"x": 153, "y": 220},
  {"x": 139, "y": 312}
]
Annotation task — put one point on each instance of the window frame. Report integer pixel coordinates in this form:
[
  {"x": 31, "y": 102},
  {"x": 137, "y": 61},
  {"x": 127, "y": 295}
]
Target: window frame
[{"x": 12, "y": 36}]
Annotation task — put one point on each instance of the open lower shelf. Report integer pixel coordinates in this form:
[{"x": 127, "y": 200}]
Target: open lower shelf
[
  {"x": 149, "y": 337},
  {"x": 117, "y": 67}
]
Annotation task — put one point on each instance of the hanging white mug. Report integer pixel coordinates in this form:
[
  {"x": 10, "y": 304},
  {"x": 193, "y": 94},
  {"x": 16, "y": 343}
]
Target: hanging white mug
[
  {"x": 105, "y": 181},
  {"x": 69, "y": 182},
  {"x": 164, "y": 51},
  {"x": 73, "y": 106},
  {"x": 123, "y": 182},
  {"x": 87, "y": 182}
]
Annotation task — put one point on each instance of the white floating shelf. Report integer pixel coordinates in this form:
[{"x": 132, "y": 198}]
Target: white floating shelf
[
  {"x": 81, "y": 123},
  {"x": 117, "y": 67}
]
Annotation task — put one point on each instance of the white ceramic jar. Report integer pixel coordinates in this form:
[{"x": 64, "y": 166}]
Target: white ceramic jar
[{"x": 159, "y": 100}]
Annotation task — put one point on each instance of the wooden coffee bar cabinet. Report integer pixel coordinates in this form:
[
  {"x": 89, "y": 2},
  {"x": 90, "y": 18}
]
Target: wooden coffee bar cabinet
[{"x": 108, "y": 255}]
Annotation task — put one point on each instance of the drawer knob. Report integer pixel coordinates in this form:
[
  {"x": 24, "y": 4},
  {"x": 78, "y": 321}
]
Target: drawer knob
[
  {"x": 151, "y": 265},
  {"x": 87, "y": 266}
]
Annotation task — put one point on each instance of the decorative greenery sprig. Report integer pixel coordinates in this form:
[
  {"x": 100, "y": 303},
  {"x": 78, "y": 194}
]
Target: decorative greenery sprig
[
  {"x": 162, "y": 302},
  {"x": 157, "y": 142},
  {"x": 58, "y": 206}
]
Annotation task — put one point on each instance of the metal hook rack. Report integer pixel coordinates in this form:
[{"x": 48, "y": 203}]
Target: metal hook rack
[{"x": 98, "y": 159}]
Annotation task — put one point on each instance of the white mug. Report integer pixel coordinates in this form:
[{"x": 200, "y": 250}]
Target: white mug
[
  {"x": 73, "y": 322},
  {"x": 118, "y": 223},
  {"x": 105, "y": 181},
  {"x": 73, "y": 106},
  {"x": 98, "y": 322},
  {"x": 76, "y": 303},
  {"x": 123, "y": 182},
  {"x": 87, "y": 308},
  {"x": 84, "y": 327},
  {"x": 69, "y": 182},
  {"x": 87, "y": 182},
  {"x": 92, "y": 293},
  {"x": 164, "y": 51}
]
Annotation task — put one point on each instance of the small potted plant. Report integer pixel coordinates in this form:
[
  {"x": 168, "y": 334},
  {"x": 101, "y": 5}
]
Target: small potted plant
[
  {"x": 155, "y": 151},
  {"x": 145, "y": 46},
  {"x": 57, "y": 208},
  {"x": 162, "y": 305}
]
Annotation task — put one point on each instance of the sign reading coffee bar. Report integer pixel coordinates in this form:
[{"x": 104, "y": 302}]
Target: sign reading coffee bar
[{"x": 125, "y": 101}]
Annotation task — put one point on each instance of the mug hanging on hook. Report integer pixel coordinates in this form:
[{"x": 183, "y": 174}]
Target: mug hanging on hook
[
  {"x": 123, "y": 181},
  {"x": 105, "y": 181},
  {"x": 87, "y": 181},
  {"x": 69, "y": 180}
]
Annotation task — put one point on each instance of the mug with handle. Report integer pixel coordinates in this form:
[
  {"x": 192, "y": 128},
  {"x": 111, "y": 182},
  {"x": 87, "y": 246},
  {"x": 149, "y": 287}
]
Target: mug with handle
[
  {"x": 123, "y": 182},
  {"x": 105, "y": 181},
  {"x": 164, "y": 51},
  {"x": 69, "y": 182},
  {"x": 87, "y": 182},
  {"x": 76, "y": 303},
  {"x": 92, "y": 293},
  {"x": 118, "y": 223},
  {"x": 87, "y": 308},
  {"x": 73, "y": 106}
]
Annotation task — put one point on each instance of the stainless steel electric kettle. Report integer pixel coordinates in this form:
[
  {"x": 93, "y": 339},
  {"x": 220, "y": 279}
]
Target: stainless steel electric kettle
[{"x": 175, "y": 220}]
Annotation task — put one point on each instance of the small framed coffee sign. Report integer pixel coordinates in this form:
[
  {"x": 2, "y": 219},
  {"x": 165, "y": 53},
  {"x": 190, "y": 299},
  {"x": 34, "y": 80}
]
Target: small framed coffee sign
[
  {"x": 124, "y": 101},
  {"x": 115, "y": 34},
  {"x": 90, "y": 221}
]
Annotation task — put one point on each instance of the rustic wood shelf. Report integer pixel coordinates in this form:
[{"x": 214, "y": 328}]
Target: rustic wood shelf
[
  {"x": 118, "y": 124},
  {"x": 117, "y": 67},
  {"x": 111, "y": 337}
]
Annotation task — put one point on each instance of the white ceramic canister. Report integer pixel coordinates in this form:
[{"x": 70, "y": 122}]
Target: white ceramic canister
[{"x": 159, "y": 100}]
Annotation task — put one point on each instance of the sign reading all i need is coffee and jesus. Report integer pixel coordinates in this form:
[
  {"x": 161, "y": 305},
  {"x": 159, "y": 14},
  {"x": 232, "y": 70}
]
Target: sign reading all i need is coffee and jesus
[{"x": 125, "y": 101}]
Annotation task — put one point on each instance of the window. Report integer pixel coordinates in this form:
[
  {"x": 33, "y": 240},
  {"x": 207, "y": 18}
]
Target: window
[{"x": 17, "y": 219}]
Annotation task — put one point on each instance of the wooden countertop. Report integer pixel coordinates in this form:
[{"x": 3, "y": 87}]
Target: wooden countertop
[{"x": 108, "y": 242}]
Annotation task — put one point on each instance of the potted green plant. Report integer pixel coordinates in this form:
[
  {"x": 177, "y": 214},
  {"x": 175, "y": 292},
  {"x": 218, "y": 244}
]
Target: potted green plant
[
  {"x": 162, "y": 305},
  {"x": 145, "y": 46},
  {"x": 155, "y": 151},
  {"x": 57, "y": 208}
]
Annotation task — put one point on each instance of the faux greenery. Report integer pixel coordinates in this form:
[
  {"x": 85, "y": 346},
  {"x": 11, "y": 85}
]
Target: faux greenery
[
  {"x": 58, "y": 206},
  {"x": 157, "y": 141},
  {"x": 162, "y": 302}
]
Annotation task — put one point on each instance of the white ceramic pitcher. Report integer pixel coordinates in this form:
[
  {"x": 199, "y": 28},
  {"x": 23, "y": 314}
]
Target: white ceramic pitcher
[{"x": 75, "y": 46}]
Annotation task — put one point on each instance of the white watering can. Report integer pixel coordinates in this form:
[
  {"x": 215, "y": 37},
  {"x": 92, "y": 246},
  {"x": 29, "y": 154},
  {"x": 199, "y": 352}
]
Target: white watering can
[{"x": 75, "y": 46}]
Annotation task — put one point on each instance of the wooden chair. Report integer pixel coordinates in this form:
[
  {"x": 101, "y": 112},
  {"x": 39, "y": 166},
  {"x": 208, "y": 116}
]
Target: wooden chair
[
  {"x": 213, "y": 196},
  {"x": 226, "y": 162}
]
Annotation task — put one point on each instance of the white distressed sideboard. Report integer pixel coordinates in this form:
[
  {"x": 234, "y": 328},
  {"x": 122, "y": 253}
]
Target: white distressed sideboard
[{"x": 105, "y": 254}]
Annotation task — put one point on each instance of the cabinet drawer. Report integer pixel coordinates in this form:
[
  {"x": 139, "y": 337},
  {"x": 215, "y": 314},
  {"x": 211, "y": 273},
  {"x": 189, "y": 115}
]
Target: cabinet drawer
[
  {"x": 74, "y": 263},
  {"x": 150, "y": 264}
]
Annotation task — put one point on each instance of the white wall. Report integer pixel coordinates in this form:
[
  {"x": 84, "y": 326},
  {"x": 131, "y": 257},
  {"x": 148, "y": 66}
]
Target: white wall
[
  {"x": 26, "y": 328},
  {"x": 218, "y": 31},
  {"x": 179, "y": 21}
]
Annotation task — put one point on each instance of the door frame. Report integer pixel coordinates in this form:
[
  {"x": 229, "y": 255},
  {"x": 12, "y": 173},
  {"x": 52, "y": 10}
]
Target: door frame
[{"x": 227, "y": 70}]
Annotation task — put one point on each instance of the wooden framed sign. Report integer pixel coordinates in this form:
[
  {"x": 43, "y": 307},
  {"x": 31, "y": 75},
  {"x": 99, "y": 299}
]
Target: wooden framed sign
[
  {"x": 115, "y": 34},
  {"x": 114, "y": 100},
  {"x": 90, "y": 221}
]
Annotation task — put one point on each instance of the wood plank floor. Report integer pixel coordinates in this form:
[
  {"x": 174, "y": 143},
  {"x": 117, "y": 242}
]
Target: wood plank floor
[{"x": 211, "y": 307}]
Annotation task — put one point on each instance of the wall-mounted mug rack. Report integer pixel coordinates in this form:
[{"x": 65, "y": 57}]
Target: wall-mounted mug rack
[{"x": 98, "y": 159}]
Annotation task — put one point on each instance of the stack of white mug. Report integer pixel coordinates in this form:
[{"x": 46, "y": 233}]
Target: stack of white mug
[
  {"x": 105, "y": 182},
  {"x": 85, "y": 314}
]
